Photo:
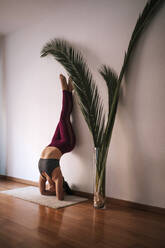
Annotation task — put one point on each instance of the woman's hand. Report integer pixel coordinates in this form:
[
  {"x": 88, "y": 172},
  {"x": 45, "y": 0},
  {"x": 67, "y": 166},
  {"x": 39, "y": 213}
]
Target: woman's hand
[
  {"x": 48, "y": 192},
  {"x": 42, "y": 186}
]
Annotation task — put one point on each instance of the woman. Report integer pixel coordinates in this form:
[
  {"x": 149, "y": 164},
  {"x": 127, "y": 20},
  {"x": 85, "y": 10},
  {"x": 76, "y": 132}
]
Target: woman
[{"x": 63, "y": 141}]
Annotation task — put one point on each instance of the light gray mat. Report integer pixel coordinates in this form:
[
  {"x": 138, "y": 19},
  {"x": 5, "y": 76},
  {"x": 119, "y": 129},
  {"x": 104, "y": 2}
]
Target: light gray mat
[{"x": 32, "y": 194}]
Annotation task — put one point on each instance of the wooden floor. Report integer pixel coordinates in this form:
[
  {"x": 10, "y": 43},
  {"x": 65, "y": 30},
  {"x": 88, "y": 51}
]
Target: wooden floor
[{"x": 27, "y": 225}]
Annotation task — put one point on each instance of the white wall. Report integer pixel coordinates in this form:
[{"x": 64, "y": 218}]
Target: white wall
[
  {"x": 2, "y": 111},
  {"x": 101, "y": 29}
]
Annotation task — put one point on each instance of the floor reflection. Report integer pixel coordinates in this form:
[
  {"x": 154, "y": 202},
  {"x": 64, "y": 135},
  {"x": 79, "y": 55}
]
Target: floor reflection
[
  {"x": 49, "y": 223},
  {"x": 98, "y": 228}
]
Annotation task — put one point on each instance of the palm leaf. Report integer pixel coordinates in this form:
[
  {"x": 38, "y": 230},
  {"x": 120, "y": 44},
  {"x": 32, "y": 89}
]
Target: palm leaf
[
  {"x": 107, "y": 73},
  {"x": 111, "y": 80},
  {"x": 85, "y": 87},
  {"x": 144, "y": 18}
]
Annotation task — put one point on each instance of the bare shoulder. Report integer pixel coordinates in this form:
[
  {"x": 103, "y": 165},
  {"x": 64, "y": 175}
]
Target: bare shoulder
[{"x": 51, "y": 152}]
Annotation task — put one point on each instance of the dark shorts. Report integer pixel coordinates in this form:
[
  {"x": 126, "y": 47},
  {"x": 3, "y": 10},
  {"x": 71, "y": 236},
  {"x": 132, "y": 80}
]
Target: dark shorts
[{"x": 48, "y": 165}]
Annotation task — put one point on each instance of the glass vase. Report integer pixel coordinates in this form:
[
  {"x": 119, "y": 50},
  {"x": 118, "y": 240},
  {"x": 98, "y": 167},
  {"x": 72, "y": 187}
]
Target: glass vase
[{"x": 99, "y": 179}]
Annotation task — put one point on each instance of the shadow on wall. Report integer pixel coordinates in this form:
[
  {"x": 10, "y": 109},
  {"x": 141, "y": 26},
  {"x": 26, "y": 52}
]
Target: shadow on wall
[
  {"x": 141, "y": 113},
  {"x": 79, "y": 161}
]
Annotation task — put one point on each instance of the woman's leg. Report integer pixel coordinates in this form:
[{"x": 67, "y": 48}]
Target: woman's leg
[
  {"x": 64, "y": 137},
  {"x": 64, "y": 130},
  {"x": 56, "y": 136},
  {"x": 67, "y": 141}
]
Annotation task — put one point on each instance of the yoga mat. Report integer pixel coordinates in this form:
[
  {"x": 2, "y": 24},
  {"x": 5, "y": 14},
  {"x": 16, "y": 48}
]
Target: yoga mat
[{"x": 32, "y": 194}]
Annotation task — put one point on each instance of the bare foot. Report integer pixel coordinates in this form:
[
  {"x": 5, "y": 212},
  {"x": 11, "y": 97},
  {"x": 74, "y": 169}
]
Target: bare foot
[
  {"x": 63, "y": 82},
  {"x": 70, "y": 84}
]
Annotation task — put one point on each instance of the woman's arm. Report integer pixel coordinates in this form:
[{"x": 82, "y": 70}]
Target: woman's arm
[
  {"x": 42, "y": 186},
  {"x": 59, "y": 188},
  {"x": 57, "y": 178}
]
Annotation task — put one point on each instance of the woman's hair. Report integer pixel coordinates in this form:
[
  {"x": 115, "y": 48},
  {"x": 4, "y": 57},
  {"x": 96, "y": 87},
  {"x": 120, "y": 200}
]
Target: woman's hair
[{"x": 66, "y": 188}]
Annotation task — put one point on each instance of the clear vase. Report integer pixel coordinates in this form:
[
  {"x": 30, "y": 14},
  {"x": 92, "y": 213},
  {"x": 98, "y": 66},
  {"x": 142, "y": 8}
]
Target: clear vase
[{"x": 99, "y": 179}]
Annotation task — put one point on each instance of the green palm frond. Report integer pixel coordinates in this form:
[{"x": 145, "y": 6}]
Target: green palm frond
[
  {"x": 89, "y": 98},
  {"x": 144, "y": 18},
  {"x": 111, "y": 80},
  {"x": 109, "y": 75}
]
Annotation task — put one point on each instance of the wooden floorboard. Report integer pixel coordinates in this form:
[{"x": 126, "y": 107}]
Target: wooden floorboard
[
  {"x": 26, "y": 225},
  {"x": 109, "y": 200}
]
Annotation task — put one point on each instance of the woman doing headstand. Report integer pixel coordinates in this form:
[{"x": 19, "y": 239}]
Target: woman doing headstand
[{"x": 62, "y": 142}]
